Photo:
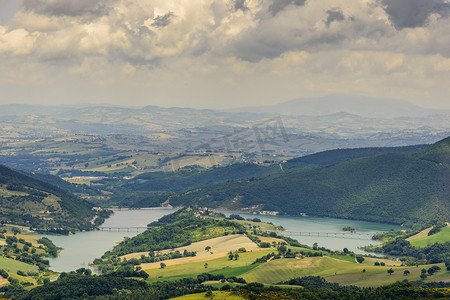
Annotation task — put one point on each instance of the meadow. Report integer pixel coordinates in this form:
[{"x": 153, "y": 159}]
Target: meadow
[
  {"x": 220, "y": 265},
  {"x": 336, "y": 270},
  {"x": 442, "y": 236}
]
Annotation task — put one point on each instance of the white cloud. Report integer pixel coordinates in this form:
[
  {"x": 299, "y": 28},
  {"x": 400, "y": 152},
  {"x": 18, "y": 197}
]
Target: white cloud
[{"x": 367, "y": 46}]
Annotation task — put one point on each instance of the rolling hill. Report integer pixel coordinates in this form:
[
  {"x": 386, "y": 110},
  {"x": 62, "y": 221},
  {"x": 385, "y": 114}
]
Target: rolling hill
[
  {"x": 41, "y": 206},
  {"x": 145, "y": 190},
  {"x": 391, "y": 187}
]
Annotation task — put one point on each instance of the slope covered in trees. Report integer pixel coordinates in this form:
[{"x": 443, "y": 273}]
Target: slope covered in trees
[
  {"x": 42, "y": 206},
  {"x": 140, "y": 190},
  {"x": 392, "y": 187}
]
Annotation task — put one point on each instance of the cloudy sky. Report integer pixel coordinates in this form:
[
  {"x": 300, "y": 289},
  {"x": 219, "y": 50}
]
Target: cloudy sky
[{"x": 222, "y": 53}]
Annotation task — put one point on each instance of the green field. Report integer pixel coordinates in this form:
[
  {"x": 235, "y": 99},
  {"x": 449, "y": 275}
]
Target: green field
[
  {"x": 216, "y": 295},
  {"x": 216, "y": 266},
  {"x": 442, "y": 236},
  {"x": 12, "y": 266},
  {"x": 334, "y": 270}
]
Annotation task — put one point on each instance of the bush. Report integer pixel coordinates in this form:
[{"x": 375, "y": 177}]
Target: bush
[
  {"x": 264, "y": 245},
  {"x": 359, "y": 259}
]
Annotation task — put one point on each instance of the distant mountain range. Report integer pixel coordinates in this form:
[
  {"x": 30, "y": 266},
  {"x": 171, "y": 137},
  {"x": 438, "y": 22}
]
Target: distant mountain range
[
  {"x": 311, "y": 125},
  {"x": 358, "y": 105}
]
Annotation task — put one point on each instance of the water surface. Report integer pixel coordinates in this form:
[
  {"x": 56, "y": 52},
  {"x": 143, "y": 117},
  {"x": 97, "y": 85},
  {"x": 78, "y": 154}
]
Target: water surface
[{"x": 82, "y": 248}]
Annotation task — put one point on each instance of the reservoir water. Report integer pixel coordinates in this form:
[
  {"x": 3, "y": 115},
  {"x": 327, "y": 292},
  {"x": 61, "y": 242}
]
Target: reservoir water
[
  {"x": 327, "y": 225},
  {"x": 80, "y": 249}
]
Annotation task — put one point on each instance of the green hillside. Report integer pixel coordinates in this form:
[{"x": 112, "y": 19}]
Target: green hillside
[
  {"x": 331, "y": 157},
  {"x": 438, "y": 153},
  {"x": 41, "y": 206},
  {"x": 393, "y": 187},
  {"x": 140, "y": 190}
]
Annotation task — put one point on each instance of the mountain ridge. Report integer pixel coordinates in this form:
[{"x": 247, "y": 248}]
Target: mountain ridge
[
  {"x": 392, "y": 187},
  {"x": 345, "y": 103}
]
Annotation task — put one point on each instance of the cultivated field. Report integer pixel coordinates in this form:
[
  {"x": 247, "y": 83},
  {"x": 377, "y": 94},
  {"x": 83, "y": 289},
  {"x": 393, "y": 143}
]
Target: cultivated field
[
  {"x": 442, "y": 236},
  {"x": 216, "y": 295},
  {"x": 422, "y": 234},
  {"x": 220, "y": 246},
  {"x": 220, "y": 265},
  {"x": 335, "y": 270},
  {"x": 12, "y": 266}
]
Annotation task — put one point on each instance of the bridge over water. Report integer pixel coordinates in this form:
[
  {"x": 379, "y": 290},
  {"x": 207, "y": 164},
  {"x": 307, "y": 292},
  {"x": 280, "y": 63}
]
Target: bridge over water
[
  {"x": 122, "y": 228},
  {"x": 343, "y": 234}
]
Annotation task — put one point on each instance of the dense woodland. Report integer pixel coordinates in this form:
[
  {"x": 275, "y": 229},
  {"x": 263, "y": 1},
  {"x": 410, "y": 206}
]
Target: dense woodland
[{"x": 398, "y": 188}]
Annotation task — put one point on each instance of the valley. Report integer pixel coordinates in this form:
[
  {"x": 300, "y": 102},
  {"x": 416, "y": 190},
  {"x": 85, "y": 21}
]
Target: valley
[{"x": 233, "y": 204}]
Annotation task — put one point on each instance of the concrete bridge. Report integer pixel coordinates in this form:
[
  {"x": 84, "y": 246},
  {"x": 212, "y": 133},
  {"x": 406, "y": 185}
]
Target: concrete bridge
[
  {"x": 130, "y": 228},
  {"x": 347, "y": 235}
]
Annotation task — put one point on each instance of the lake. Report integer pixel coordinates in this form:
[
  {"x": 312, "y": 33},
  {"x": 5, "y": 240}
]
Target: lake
[
  {"x": 320, "y": 224},
  {"x": 80, "y": 249}
]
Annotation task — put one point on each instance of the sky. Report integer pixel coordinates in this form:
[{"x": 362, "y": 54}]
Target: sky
[{"x": 222, "y": 54}]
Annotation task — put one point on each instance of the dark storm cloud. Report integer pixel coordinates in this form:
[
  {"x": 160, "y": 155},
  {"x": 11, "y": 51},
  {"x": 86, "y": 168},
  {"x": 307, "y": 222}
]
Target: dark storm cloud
[
  {"x": 279, "y": 5},
  {"x": 69, "y": 7},
  {"x": 240, "y": 5},
  {"x": 162, "y": 21},
  {"x": 334, "y": 15},
  {"x": 414, "y": 13}
]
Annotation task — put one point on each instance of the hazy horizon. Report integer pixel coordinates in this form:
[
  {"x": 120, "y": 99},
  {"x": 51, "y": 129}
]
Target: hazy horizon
[{"x": 230, "y": 109}]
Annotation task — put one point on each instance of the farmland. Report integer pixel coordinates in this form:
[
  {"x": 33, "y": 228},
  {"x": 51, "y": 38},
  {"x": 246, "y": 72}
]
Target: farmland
[
  {"x": 334, "y": 270},
  {"x": 442, "y": 236}
]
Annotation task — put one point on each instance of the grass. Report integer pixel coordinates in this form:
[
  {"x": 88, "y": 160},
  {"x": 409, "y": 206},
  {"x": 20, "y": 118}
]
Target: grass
[
  {"x": 334, "y": 270},
  {"x": 221, "y": 244},
  {"x": 237, "y": 271},
  {"x": 422, "y": 234},
  {"x": 347, "y": 258},
  {"x": 12, "y": 266},
  {"x": 216, "y": 266},
  {"x": 442, "y": 236},
  {"x": 216, "y": 295}
]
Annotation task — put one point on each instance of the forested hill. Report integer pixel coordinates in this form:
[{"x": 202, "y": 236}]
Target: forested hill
[
  {"x": 392, "y": 187},
  {"x": 135, "y": 192},
  {"x": 42, "y": 206}
]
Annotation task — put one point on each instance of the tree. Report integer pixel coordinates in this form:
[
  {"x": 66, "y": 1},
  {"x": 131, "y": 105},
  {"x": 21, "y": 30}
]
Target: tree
[
  {"x": 207, "y": 248},
  {"x": 282, "y": 250},
  {"x": 406, "y": 273},
  {"x": 230, "y": 255},
  {"x": 209, "y": 294},
  {"x": 390, "y": 271},
  {"x": 315, "y": 246},
  {"x": 163, "y": 265},
  {"x": 359, "y": 259},
  {"x": 423, "y": 276},
  {"x": 345, "y": 250},
  {"x": 206, "y": 265},
  {"x": 236, "y": 256}
]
